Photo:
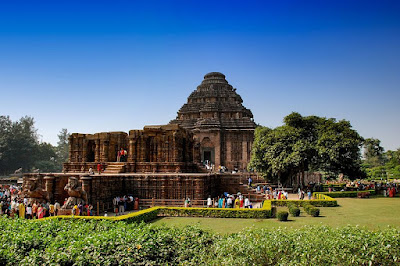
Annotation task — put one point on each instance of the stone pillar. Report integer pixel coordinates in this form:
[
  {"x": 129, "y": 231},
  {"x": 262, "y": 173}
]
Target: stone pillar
[
  {"x": 131, "y": 150},
  {"x": 49, "y": 184},
  {"x": 87, "y": 185},
  {"x": 104, "y": 158},
  {"x": 245, "y": 159},
  {"x": 84, "y": 150},
  {"x": 70, "y": 140},
  {"x": 97, "y": 152}
]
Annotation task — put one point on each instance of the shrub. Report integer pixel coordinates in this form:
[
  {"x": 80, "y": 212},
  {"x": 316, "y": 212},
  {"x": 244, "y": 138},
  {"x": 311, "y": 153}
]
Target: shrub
[
  {"x": 282, "y": 216},
  {"x": 343, "y": 194},
  {"x": 326, "y": 202},
  {"x": 103, "y": 242},
  {"x": 267, "y": 211},
  {"x": 311, "y": 210},
  {"x": 293, "y": 210},
  {"x": 217, "y": 212},
  {"x": 314, "y": 212}
]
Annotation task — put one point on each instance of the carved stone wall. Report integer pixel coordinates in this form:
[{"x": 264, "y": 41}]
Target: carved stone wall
[
  {"x": 167, "y": 148},
  {"x": 103, "y": 188},
  {"x": 220, "y": 123}
]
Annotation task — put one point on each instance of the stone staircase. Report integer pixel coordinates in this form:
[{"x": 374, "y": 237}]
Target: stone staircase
[
  {"x": 115, "y": 168},
  {"x": 252, "y": 193}
]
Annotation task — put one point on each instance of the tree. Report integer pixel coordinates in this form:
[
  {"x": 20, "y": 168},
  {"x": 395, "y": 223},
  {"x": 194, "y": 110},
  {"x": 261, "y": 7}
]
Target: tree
[
  {"x": 305, "y": 143},
  {"x": 18, "y": 144},
  {"x": 62, "y": 147},
  {"x": 373, "y": 152},
  {"x": 338, "y": 147},
  {"x": 46, "y": 158}
]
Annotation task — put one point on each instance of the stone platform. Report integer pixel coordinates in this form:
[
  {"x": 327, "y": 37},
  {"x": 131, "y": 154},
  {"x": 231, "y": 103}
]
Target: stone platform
[{"x": 102, "y": 188}]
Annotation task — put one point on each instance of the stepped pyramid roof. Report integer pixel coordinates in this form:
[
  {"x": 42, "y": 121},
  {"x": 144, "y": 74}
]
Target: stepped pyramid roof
[{"x": 214, "y": 104}]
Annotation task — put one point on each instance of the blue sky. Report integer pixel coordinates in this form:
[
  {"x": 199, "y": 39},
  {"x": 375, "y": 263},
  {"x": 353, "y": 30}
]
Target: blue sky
[{"x": 94, "y": 66}]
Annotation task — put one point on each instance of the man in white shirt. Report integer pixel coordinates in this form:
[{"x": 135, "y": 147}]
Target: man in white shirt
[{"x": 209, "y": 202}]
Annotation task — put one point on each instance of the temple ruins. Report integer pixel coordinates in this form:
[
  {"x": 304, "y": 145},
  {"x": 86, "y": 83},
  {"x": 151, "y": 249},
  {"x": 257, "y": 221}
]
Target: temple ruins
[{"x": 163, "y": 162}]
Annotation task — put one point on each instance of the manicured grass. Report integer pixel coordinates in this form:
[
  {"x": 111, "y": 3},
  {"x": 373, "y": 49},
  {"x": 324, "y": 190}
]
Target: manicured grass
[{"x": 375, "y": 213}]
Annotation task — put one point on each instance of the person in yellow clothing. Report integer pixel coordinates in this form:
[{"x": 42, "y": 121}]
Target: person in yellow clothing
[
  {"x": 51, "y": 210},
  {"x": 237, "y": 203},
  {"x": 21, "y": 209},
  {"x": 75, "y": 211}
]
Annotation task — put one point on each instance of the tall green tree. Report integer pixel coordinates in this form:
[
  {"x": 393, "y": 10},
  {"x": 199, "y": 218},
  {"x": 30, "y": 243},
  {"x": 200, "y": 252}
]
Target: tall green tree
[
  {"x": 18, "y": 144},
  {"x": 305, "y": 143},
  {"x": 373, "y": 152},
  {"x": 46, "y": 158},
  {"x": 339, "y": 148},
  {"x": 62, "y": 146}
]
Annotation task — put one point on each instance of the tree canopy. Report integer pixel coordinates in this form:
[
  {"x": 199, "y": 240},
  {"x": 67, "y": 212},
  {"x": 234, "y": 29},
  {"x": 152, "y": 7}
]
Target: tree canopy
[
  {"x": 306, "y": 143},
  {"x": 20, "y": 147}
]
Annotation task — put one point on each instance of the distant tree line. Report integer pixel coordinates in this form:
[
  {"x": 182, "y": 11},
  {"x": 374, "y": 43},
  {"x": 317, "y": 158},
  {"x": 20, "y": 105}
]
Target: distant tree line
[
  {"x": 20, "y": 147},
  {"x": 379, "y": 164}
]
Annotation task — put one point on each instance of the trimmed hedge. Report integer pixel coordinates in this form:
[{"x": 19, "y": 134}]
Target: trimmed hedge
[
  {"x": 140, "y": 216},
  {"x": 282, "y": 216},
  {"x": 267, "y": 211},
  {"x": 216, "y": 212},
  {"x": 311, "y": 210},
  {"x": 343, "y": 194},
  {"x": 294, "y": 210},
  {"x": 326, "y": 202}
]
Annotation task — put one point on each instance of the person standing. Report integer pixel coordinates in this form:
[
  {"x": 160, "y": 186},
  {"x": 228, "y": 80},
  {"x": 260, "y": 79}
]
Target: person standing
[
  {"x": 51, "y": 209},
  {"x": 209, "y": 202},
  {"x": 29, "y": 212},
  {"x": 246, "y": 203},
  {"x": 34, "y": 210},
  {"x": 21, "y": 209},
  {"x": 57, "y": 207},
  {"x": 99, "y": 168}
]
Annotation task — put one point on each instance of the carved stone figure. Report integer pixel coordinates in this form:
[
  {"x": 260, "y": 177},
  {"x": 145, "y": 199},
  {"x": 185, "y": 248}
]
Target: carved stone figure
[
  {"x": 18, "y": 171},
  {"x": 34, "y": 191},
  {"x": 75, "y": 192}
]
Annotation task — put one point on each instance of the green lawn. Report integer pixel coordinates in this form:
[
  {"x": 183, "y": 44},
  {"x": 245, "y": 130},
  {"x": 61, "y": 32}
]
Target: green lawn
[{"x": 373, "y": 213}]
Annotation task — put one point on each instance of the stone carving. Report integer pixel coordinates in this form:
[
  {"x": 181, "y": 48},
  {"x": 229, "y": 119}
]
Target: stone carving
[
  {"x": 75, "y": 192},
  {"x": 18, "y": 171},
  {"x": 214, "y": 112},
  {"x": 153, "y": 149},
  {"x": 34, "y": 191}
]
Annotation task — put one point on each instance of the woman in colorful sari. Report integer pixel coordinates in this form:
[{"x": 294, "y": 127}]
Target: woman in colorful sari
[
  {"x": 220, "y": 202},
  {"x": 21, "y": 209},
  {"x": 237, "y": 203},
  {"x": 34, "y": 210},
  {"x": 40, "y": 212}
]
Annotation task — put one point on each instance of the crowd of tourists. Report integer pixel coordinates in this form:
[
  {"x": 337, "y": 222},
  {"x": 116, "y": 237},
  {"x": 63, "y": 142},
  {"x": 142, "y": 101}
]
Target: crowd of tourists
[
  {"x": 13, "y": 205},
  {"x": 229, "y": 201},
  {"x": 387, "y": 189},
  {"x": 125, "y": 203}
]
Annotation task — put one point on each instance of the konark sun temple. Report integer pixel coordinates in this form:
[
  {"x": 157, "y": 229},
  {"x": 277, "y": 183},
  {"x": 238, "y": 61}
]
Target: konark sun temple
[{"x": 160, "y": 164}]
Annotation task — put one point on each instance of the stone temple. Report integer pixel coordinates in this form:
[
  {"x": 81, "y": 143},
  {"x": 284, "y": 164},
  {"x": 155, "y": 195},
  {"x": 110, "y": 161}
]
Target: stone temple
[
  {"x": 163, "y": 162},
  {"x": 219, "y": 122}
]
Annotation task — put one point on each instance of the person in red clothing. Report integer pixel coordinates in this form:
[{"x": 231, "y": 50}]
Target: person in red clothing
[{"x": 99, "y": 168}]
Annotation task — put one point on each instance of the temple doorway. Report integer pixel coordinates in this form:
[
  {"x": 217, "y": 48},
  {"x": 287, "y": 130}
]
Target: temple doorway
[
  {"x": 207, "y": 156},
  {"x": 91, "y": 148}
]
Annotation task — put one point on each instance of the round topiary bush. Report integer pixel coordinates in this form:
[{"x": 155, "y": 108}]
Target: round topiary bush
[
  {"x": 282, "y": 216},
  {"x": 294, "y": 211},
  {"x": 314, "y": 212}
]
